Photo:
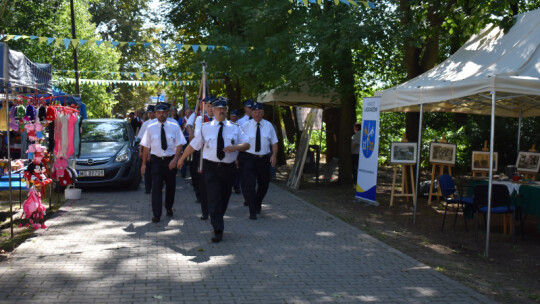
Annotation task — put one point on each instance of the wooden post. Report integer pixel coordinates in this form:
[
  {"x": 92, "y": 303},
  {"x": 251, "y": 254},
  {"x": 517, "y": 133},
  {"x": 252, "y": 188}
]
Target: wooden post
[{"x": 405, "y": 168}]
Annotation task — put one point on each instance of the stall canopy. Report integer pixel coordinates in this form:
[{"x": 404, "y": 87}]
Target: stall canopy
[
  {"x": 21, "y": 74},
  {"x": 491, "y": 61},
  {"x": 302, "y": 97}
]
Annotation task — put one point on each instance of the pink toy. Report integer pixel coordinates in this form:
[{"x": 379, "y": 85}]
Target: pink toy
[
  {"x": 34, "y": 210},
  {"x": 31, "y": 130},
  {"x": 39, "y": 130}
]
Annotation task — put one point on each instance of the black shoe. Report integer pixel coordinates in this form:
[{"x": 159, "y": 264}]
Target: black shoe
[
  {"x": 204, "y": 217},
  {"x": 169, "y": 213},
  {"x": 246, "y": 204},
  {"x": 218, "y": 236},
  {"x": 147, "y": 192},
  {"x": 155, "y": 219},
  {"x": 252, "y": 217}
]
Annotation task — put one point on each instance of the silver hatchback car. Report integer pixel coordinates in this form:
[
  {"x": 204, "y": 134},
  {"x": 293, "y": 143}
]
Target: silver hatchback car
[{"x": 109, "y": 154}]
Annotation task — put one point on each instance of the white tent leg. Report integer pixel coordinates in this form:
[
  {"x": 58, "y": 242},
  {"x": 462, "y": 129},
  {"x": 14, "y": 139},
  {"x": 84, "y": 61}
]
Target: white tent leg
[
  {"x": 491, "y": 148},
  {"x": 418, "y": 150}
]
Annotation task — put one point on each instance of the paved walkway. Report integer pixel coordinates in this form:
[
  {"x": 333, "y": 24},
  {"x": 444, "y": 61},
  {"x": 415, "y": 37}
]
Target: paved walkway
[{"x": 103, "y": 249}]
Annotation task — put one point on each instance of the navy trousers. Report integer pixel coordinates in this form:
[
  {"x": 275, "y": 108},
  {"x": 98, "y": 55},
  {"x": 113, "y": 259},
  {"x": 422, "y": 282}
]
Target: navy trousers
[
  {"x": 220, "y": 178},
  {"x": 255, "y": 179},
  {"x": 161, "y": 174}
]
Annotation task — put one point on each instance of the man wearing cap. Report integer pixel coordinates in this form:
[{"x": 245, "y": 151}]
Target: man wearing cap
[
  {"x": 256, "y": 161},
  {"x": 221, "y": 140},
  {"x": 247, "y": 109},
  {"x": 164, "y": 141},
  {"x": 147, "y": 174},
  {"x": 193, "y": 127},
  {"x": 233, "y": 117}
]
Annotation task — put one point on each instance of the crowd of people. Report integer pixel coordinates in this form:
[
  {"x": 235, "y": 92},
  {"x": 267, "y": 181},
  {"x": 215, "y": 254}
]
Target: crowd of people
[{"x": 223, "y": 151}]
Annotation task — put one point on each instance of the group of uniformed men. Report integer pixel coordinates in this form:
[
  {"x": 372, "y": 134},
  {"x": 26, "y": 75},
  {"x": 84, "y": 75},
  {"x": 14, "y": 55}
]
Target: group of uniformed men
[{"x": 233, "y": 154}]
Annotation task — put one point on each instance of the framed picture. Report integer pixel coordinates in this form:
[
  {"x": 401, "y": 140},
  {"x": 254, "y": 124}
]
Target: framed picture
[
  {"x": 442, "y": 153},
  {"x": 528, "y": 162},
  {"x": 480, "y": 161},
  {"x": 403, "y": 153}
]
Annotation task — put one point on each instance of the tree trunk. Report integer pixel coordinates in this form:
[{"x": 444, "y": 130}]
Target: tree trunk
[
  {"x": 289, "y": 123},
  {"x": 331, "y": 119},
  {"x": 281, "y": 158},
  {"x": 347, "y": 117}
]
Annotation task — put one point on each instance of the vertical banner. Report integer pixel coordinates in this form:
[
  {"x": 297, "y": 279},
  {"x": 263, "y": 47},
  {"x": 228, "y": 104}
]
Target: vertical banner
[{"x": 366, "y": 183}]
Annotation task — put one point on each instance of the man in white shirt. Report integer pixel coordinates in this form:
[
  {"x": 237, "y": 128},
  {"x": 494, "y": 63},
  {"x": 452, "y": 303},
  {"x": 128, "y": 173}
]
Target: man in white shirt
[
  {"x": 256, "y": 161},
  {"x": 164, "y": 141},
  {"x": 247, "y": 109},
  {"x": 221, "y": 140}
]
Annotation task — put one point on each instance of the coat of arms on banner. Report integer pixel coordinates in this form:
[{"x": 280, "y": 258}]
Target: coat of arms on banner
[{"x": 368, "y": 137}]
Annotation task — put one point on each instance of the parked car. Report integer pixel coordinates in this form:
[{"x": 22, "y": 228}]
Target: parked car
[{"x": 109, "y": 154}]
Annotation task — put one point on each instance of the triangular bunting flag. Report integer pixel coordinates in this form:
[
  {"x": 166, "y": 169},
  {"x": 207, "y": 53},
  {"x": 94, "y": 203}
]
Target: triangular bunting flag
[
  {"x": 203, "y": 47},
  {"x": 195, "y": 48},
  {"x": 75, "y": 42},
  {"x": 122, "y": 44},
  {"x": 67, "y": 42},
  {"x": 211, "y": 47},
  {"x": 130, "y": 44},
  {"x": 33, "y": 37},
  {"x": 50, "y": 40},
  {"x": 42, "y": 39},
  {"x": 345, "y": 1},
  {"x": 115, "y": 43},
  {"x": 16, "y": 37},
  {"x": 99, "y": 42},
  {"x": 179, "y": 46},
  {"x": 82, "y": 42},
  {"x": 186, "y": 46},
  {"x": 163, "y": 45},
  {"x": 147, "y": 44}
]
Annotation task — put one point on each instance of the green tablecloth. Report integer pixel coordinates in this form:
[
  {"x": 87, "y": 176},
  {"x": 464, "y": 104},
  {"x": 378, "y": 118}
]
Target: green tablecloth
[{"x": 529, "y": 199}]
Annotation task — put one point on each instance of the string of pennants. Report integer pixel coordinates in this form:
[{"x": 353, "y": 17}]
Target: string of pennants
[
  {"x": 130, "y": 74},
  {"x": 138, "y": 82},
  {"x": 66, "y": 42},
  {"x": 337, "y": 2}
]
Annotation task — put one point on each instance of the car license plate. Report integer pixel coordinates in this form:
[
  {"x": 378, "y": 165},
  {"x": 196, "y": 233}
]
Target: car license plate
[{"x": 91, "y": 173}]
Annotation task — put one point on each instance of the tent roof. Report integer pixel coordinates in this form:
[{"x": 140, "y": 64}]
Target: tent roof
[
  {"x": 22, "y": 74},
  {"x": 304, "y": 97},
  {"x": 508, "y": 64}
]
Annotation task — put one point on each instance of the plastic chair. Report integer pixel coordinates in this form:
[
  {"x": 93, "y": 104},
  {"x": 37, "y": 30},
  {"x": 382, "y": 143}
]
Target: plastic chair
[
  {"x": 452, "y": 195},
  {"x": 500, "y": 204}
]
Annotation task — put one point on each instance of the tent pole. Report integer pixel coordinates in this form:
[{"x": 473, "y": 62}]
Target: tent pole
[
  {"x": 519, "y": 129},
  {"x": 418, "y": 149},
  {"x": 491, "y": 148}
]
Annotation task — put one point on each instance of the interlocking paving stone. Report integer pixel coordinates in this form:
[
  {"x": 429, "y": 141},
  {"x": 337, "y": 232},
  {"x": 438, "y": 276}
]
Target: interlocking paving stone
[{"x": 104, "y": 249}]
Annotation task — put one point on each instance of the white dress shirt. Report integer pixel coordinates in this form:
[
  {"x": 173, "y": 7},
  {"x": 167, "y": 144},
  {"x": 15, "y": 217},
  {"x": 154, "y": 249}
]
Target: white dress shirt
[
  {"x": 242, "y": 120},
  {"x": 147, "y": 122},
  {"x": 198, "y": 123},
  {"x": 191, "y": 119},
  {"x": 268, "y": 136},
  {"x": 152, "y": 138},
  {"x": 208, "y": 137}
]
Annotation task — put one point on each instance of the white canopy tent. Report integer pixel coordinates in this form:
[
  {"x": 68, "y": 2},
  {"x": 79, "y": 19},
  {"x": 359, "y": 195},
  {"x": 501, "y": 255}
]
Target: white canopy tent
[{"x": 491, "y": 66}]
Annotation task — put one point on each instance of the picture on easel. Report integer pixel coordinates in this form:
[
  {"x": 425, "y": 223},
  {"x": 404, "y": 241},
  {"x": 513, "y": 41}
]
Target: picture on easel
[
  {"x": 480, "y": 161},
  {"x": 403, "y": 153},
  {"x": 528, "y": 162},
  {"x": 442, "y": 153}
]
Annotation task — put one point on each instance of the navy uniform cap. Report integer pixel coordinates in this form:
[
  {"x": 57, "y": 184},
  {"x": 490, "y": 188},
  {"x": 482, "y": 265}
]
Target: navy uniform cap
[
  {"x": 248, "y": 103},
  {"x": 162, "y": 107},
  {"x": 220, "y": 102},
  {"x": 209, "y": 98},
  {"x": 150, "y": 108},
  {"x": 235, "y": 112},
  {"x": 257, "y": 106}
]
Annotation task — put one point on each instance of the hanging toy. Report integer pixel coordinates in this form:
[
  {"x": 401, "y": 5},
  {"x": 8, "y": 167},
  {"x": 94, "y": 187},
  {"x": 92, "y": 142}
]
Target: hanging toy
[
  {"x": 13, "y": 121},
  {"x": 38, "y": 177},
  {"x": 30, "y": 113},
  {"x": 42, "y": 114},
  {"x": 59, "y": 168},
  {"x": 40, "y": 150},
  {"x": 39, "y": 130},
  {"x": 31, "y": 150},
  {"x": 21, "y": 111},
  {"x": 31, "y": 130},
  {"x": 51, "y": 114}
]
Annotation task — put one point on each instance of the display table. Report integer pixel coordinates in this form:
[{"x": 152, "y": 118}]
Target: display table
[{"x": 16, "y": 182}]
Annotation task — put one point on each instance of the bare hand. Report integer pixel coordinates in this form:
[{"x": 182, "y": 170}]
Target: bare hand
[
  {"x": 273, "y": 161},
  {"x": 180, "y": 163},
  {"x": 143, "y": 168},
  {"x": 230, "y": 149},
  {"x": 172, "y": 164}
]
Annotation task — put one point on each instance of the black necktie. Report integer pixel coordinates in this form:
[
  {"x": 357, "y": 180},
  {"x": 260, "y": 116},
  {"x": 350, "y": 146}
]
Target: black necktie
[
  {"x": 258, "y": 138},
  {"x": 220, "y": 143},
  {"x": 163, "y": 138}
]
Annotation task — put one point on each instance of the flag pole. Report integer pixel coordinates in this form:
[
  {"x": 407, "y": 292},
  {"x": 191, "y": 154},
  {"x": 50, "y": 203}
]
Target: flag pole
[{"x": 202, "y": 95}]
